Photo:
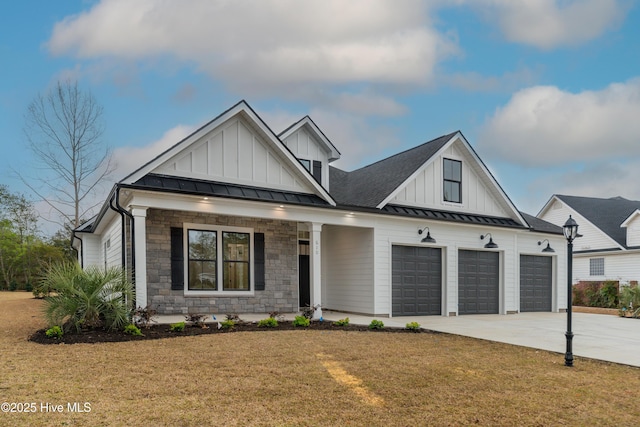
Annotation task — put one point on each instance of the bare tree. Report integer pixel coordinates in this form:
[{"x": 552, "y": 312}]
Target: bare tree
[{"x": 64, "y": 130}]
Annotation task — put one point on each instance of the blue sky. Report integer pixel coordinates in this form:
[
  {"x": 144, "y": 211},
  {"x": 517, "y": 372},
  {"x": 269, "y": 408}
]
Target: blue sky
[{"x": 546, "y": 91}]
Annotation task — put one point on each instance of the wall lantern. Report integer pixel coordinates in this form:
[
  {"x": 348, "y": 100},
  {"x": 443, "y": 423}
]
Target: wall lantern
[
  {"x": 548, "y": 249},
  {"x": 491, "y": 244},
  {"x": 427, "y": 238}
]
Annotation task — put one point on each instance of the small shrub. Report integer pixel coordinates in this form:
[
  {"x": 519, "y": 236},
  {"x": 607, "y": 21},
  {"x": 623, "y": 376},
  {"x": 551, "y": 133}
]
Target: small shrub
[
  {"x": 55, "y": 332},
  {"x": 301, "y": 321},
  {"x": 269, "y": 322},
  {"x": 342, "y": 322},
  {"x": 132, "y": 329},
  {"x": 197, "y": 319},
  {"x": 234, "y": 318},
  {"x": 227, "y": 324},
  {"x": 13, "y": 286},
  {"x": 376, "y": 324},
  {"x": 144, "y": 317},
  {"x": 413, "y": 326},
  {"x": 177, "y": 327},
  {"x": 28, "y": 287}
]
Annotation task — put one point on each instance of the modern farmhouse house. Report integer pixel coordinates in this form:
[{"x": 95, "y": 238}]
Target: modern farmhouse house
[
  {"x": 237, "y": 219},
  {"x": 609, "y": 248}
]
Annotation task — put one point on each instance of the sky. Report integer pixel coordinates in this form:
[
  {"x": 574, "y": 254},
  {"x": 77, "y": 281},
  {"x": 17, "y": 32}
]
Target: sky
[{"x": 547, "y": 92}]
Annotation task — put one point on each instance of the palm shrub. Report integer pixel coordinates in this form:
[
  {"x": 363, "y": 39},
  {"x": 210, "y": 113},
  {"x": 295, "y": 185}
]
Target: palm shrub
[{"x": 90, "y": 298}]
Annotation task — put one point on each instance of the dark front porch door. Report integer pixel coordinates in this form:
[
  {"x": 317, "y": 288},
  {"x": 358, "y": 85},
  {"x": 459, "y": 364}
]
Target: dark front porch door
[{"x": 304, "y": 281}]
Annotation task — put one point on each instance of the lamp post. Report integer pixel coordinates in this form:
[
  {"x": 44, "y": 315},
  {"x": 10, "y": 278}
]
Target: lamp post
[{"x": 570, "y": 230}]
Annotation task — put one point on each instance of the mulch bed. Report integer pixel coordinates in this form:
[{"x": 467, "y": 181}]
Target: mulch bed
[{"x": 163, "y": 331}]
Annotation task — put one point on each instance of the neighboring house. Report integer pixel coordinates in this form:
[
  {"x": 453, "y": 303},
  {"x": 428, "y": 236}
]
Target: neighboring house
[
  {"x": 609, "y": 248},
  {"x": 237, "y": 219}
]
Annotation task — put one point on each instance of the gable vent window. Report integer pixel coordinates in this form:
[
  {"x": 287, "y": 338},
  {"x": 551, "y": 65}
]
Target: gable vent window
[
  {"x": 452, "y": 181},
  {"x": 596, "y": 267}
]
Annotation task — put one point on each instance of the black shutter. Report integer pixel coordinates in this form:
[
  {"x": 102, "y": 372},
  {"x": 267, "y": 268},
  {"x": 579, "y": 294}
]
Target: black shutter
[
  {"x": 258, "y": 261},
  {"x": 177, "y": 259},
  {"x": 317, "y": 170}
]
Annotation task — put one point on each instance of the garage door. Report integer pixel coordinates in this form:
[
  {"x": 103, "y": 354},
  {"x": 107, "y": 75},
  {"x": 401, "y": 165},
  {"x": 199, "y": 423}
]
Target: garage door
[
  {"x": 478, "y": 282},
  {"x": 535, "y": 283},
  {"x": 416, "y": 281}
]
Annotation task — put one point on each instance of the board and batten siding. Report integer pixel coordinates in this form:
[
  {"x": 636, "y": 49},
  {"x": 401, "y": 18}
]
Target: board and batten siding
[
  {"x": 478, "y": 194},
  {"x": 234, "y": 153},
  {"x": 304, "y": 145},
  {"x": 348, "y": 269}
]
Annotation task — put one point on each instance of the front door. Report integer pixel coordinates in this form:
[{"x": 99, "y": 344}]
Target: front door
[{"x": 304, "y": 281}]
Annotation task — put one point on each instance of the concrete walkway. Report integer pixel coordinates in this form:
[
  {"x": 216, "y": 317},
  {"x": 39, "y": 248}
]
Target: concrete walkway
[{"x": 596, "y": 336}]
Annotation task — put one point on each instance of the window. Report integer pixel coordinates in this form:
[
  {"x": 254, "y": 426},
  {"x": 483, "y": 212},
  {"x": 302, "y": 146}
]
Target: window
[
  {"x": 236, "y": 261},
  {"x": 596, "y": 267},
  {"x": 306, "y": 164},
  {"x": 203, "y": 249},
  {"x": 218, "y": 258},
  {"x": 452, "y": 181}
]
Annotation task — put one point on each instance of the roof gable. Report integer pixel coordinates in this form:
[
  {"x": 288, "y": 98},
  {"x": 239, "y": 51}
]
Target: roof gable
[
  {"x": 389, "y": 181},
  {"x": 321, "y": 139},
  {"x": 236, "y": 147}
]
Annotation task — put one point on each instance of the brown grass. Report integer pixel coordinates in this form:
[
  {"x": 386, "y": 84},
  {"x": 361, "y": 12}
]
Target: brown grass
[{"x": 304, "y": 378}]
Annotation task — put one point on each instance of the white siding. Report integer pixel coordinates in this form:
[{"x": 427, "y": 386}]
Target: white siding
[
  {"x": 234, "y": 153},
  {"x": 592, "y": 238},
  {"x": 348, "y": 269},
  {"x": 304, "y": 145},
  {"x": 479, "y": 195},
  {"x": 619, "y": 266},
  {"x": 112, "y": 238},
  {"x": 91, "y": 251},
  {"x": 633, "y": 232},
  {"x": 452, "y": 238}
]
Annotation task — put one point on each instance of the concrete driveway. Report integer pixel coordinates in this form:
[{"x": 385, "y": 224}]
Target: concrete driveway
[{"x": 596, "y": 336}]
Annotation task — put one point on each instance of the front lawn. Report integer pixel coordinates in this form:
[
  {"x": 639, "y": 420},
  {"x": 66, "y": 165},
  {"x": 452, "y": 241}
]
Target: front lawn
[{"x": 302, "y": 377}]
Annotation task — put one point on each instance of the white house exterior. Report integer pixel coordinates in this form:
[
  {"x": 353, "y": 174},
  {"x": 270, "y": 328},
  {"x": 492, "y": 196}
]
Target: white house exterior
[
  {"x": 237, "y": 219},
  {"x": 609, "y": 248}
]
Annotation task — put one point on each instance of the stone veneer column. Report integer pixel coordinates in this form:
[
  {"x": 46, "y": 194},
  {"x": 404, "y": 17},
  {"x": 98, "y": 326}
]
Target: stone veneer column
[
  {"x": 316, "y": 266},
  {"x": 139, "y": 217}
]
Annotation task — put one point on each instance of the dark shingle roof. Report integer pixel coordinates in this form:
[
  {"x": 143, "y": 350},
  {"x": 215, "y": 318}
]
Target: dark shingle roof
[
  {"x": 220, "y": 189},
  {"x": 370, "y": 185},
  {"x": 606, "y": 214},
  {"x": 540, "y": 225}
]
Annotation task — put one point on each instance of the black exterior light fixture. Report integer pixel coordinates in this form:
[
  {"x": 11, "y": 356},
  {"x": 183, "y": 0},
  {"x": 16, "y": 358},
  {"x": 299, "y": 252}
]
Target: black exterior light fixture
[
  {"x": 548, "y": 249},
  {"x": 491, "y": 244},
  {"x": 427, "y": 238},
  {"x": 570, "y": 230}
]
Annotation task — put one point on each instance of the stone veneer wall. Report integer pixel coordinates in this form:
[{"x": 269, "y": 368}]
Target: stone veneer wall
[{"x": 281, "y": 266}]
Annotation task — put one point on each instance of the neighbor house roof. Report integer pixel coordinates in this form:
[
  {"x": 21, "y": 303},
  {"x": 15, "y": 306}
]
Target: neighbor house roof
[{"x": 606, "y": 214}]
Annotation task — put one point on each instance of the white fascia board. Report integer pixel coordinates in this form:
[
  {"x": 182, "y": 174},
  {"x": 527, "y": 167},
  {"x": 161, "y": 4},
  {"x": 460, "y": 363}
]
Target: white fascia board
[
  {"x": 306, "y": 121},
  {"x": 547, "y": 205},
  {"x": 630, "y": 219},
  {"x": 241, "y": 108}
]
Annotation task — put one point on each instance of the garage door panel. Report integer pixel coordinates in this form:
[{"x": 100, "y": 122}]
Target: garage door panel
[
  {"x": 478, "y": 282},
  {"x": 536, "y": 284},
  {"x": 416, "y": 281}
]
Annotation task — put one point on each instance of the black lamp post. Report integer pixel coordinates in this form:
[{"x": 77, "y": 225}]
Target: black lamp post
[{"x": 570, "y": 229}]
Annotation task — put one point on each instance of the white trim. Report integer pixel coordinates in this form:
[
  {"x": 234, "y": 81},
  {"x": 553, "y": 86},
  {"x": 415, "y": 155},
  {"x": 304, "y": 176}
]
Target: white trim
[
  {"x": 306, "y": 121},
  {"x": 630, "y": 218},
  {"x": 219, "y": 229}
]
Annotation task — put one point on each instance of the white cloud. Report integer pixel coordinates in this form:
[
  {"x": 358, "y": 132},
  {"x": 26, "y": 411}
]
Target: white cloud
[
  {"x": 547, "y": 24},
  {"x": 543, "y": 125},
  {"x": 129, "y": 159},
  {"x": 260, "y": 45}
]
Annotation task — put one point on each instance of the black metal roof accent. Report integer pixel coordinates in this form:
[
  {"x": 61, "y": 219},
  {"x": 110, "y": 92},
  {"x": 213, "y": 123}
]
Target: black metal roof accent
[
  {"x": 221, "y": 189},
  {"x": 452, "y": 216}
]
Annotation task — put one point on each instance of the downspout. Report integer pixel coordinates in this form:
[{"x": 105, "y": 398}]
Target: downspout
[
  {"x": 122, "y": 211},
  {"x": 123, "y": 257}
]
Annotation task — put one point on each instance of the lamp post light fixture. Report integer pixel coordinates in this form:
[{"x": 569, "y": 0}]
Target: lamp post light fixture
[
  {"x": 427, "y": 238},
  {"x": 548, "y": 249},
  {"x": 570, "y": 230}
]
